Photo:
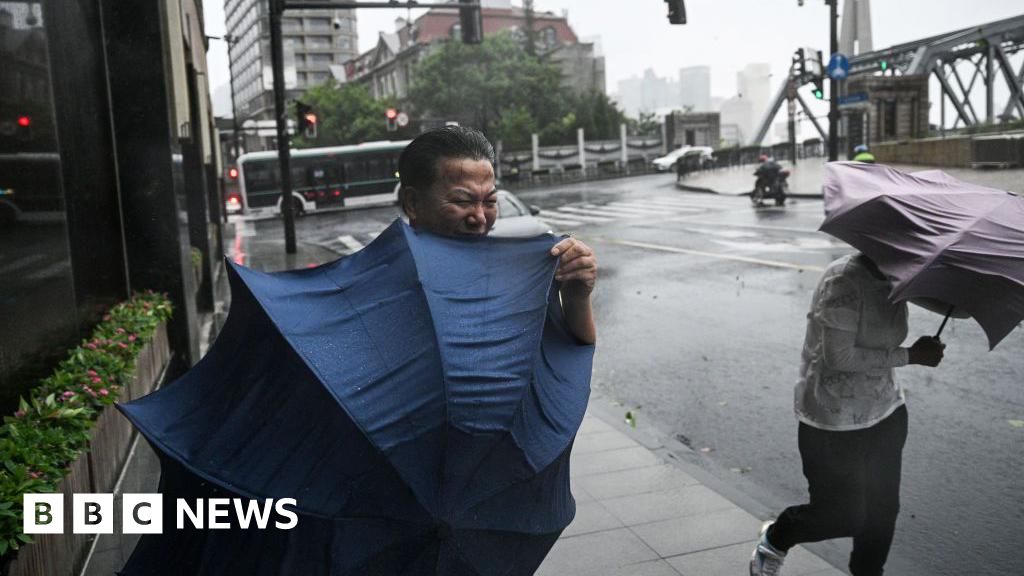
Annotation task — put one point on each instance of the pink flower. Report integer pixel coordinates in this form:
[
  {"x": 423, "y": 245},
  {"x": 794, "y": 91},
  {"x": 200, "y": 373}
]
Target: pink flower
[
  {"x": 34, "y": 475},
  {"x": 68, "y": 394},
  {"x": 122, "y": 345},
  {"x": 104, "y": 392},
  {"x": 96, "y": 379},
  {"x": 90, "y": 346},
  {"x": 132, "y": 338},
  {"x": 19, "y": 413},
  {"x": 119, "y": 330},
  {"x": 91, "y": 372}
]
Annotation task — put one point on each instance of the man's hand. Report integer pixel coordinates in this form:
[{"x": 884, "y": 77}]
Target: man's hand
[
  {"x": 577, "y": 266},
  {"x": 927, "y": 351}
]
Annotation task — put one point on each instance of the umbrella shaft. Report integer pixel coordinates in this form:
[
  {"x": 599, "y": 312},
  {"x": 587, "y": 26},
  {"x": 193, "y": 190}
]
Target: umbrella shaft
[{"x": 944, "y": 320}]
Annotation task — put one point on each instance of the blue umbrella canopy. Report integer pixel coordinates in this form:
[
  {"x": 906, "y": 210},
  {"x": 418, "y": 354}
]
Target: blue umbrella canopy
[{"x": 418, "y": 399}]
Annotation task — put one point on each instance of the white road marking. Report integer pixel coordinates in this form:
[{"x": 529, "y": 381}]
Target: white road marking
[
  {"x": 733, "y": 257},
  {"x": 351, "y": 243},
  {"x": 582, "y": 215},
  {"x": 559, "y": 221}
]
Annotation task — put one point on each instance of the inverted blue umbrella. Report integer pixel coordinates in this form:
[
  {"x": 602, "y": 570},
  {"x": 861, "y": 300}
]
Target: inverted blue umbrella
[{"x": 418, "y": 399}]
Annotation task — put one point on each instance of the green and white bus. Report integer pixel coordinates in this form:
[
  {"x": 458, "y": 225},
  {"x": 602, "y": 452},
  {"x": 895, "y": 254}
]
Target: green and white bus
[{"x": 337, "y": 176}]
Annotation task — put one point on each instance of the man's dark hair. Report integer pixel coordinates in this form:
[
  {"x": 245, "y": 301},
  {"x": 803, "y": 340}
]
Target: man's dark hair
[{"x": 419, "y": 164}]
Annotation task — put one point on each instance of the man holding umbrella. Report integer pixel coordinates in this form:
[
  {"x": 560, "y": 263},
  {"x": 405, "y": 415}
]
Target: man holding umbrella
[
  {"x": 853, "y": 422},
  {"x": 448, "y": 188}
]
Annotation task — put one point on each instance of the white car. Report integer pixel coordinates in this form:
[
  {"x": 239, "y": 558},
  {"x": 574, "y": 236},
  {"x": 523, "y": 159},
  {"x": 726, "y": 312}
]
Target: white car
[
  {"x": 668, "y": 161},
  {"x": 516, "y": 219}
]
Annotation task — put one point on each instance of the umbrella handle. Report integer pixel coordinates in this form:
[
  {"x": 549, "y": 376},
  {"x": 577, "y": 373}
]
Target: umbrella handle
[{"x": 946, "y": 319}]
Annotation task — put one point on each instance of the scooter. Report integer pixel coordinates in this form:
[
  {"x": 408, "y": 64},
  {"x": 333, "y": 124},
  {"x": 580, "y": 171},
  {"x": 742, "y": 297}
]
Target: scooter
[{"x": 778, "y": 189}]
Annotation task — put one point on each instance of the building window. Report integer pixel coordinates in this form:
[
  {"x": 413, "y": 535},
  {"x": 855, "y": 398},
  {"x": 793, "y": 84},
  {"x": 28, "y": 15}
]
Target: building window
[
  {"x": 319, "y": 59},
  {"x": 318, "y": 24},
  {"x": 456, "y": 31},
  {"x": 318, "y": 42},
  {"x": 344, "y": 42},
  {"x": 38, "y": 309},
  {"x": 548, "y": 37}
]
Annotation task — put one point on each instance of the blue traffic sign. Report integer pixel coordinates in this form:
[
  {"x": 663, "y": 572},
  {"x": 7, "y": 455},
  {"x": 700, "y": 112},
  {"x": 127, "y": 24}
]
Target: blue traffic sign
[
  {"x": 854, "y": 98},
  {"x": 838, "y": 67}
]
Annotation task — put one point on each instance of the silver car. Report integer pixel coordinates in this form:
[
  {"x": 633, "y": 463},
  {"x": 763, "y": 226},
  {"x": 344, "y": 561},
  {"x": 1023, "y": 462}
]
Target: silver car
[{"x": 516, "y": 219}]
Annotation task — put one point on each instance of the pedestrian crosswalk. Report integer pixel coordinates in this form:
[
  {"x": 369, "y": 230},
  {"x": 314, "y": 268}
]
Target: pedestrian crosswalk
[
  {"x": 581, "y": 214},
  {"x": 577, "y": 215}
]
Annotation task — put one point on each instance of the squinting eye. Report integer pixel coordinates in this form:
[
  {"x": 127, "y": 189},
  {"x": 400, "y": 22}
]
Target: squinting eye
[{"x": 490, "y": 203}]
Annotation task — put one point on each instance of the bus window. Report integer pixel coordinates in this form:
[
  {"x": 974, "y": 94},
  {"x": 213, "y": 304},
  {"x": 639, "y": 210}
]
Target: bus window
[{"x": 260, "y": 176}]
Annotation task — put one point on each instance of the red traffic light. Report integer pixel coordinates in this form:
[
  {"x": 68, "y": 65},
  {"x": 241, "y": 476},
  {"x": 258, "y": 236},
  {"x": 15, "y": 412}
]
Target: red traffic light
[
  {"x": 233, "y": 173},
  {"x": 391, "y": 113},
  {"x": 24, "y": 121}
]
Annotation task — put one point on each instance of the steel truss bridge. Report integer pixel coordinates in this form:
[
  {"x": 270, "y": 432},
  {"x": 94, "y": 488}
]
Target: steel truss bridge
[
  {"x": 968, "y": 64},
  {"x": 984, "y": 52}
]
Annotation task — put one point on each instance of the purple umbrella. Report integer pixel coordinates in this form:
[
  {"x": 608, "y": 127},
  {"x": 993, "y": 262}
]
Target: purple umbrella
[{"x": 935, "y": 237}]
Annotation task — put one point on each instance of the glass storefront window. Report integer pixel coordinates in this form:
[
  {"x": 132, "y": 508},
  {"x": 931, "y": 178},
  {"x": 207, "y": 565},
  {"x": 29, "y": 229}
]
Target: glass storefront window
[{"x": 37, "y": 304}]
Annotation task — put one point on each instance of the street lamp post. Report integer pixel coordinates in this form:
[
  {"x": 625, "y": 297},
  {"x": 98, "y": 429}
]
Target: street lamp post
[
  {"x": 833, "y": 84},
  {"x": 230, "y": 40}
]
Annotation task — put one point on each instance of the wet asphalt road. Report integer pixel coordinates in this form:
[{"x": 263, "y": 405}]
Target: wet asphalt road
[{"x": 701, "y": 306}]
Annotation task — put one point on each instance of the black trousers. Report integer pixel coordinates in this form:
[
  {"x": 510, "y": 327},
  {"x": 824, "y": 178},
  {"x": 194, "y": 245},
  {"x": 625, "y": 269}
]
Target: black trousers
[{"x": 854, "y": 483}]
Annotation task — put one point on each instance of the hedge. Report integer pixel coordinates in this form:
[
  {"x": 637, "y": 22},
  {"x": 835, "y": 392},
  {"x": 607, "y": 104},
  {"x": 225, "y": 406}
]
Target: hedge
[{"x": 51, "y": 427}]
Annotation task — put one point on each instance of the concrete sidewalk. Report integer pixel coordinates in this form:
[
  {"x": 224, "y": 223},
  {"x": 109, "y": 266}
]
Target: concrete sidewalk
[
  {"x": 640, "y": 513},
  {"x": 804, "y": 181}
]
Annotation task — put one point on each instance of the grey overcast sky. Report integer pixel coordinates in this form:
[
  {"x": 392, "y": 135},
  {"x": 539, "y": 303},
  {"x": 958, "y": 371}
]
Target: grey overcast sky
[{"x": 723, "y": 34}]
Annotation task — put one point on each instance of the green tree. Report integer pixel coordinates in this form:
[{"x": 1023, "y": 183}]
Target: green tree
[
  {"x": 489, "y": 86},
  {"x": 346, "y": 114},
  {"x": 645, "y": 125}
]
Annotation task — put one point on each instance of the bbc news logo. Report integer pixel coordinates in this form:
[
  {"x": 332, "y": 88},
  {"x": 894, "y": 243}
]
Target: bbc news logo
[{"x": 144, "y": 514}]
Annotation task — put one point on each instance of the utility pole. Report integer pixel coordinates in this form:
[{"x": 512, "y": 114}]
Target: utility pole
[
  {"x": 284, "y": 152},
  {"x": 833, "y": 84}
]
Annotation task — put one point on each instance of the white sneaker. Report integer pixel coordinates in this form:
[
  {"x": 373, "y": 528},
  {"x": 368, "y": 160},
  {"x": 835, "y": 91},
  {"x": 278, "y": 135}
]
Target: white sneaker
[{"x": 766, "y": 560}]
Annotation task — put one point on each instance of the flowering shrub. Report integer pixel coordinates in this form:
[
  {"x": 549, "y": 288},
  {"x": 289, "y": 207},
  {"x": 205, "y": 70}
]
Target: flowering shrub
[{"x": 53, "y": 425}]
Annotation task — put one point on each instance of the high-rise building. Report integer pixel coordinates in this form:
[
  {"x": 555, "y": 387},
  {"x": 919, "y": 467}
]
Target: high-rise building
[
  {"x": 648, "y": 94},
  {"x": 695, "y": 88},
  {"x": 855, "y": 34},
  {"x": 753, "y": 85},
  {"x": 316, "y": 44}
]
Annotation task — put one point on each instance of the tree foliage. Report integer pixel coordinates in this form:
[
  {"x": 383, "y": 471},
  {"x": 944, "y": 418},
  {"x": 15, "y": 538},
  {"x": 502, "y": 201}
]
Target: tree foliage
[
  {"x": 346, "y": 114},
  {"x": 498, "y": 87}
]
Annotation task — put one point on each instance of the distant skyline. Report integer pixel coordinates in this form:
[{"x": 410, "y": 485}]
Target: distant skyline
[{"x": 725, "y": 39}]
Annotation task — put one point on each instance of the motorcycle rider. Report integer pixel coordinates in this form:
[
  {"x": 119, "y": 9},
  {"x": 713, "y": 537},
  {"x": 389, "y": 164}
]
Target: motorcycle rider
[{"x": 767, "y": 175}]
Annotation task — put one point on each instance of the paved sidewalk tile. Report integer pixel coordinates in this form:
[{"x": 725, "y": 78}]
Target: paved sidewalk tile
[
  {"x": 601, "y": 442},
  {"x": 635, "y": 456},
  {"x": 655, "y": 478},
  {"x": 694, "y": 533},
  {"x": 591, "y": 517},
  {"x": 600, "y": 552},
  {"x": 732, "y": 560},
  {"x": 654, "y": 506}
]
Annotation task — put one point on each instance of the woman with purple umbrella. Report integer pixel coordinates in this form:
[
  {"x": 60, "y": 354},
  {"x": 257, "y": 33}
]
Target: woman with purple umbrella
[{"x": 853, "y": 422}]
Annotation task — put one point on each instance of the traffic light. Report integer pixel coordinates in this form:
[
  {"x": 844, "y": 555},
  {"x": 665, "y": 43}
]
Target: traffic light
[
  {"x": 799, "y": 64},
  {"x": 392, "y": 117},
  {"x": 307, "y": 119},
  {"x": 884, "y": 65},
  {"x": 472, "y": 22},
  {"x": 819, "y": 90},
  {"x": 676, "y": 11},
  {"x": 233, "y": 173}
]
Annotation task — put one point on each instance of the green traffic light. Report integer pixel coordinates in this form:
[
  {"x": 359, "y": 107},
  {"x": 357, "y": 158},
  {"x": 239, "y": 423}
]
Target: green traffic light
[
  {"x": 884, "y": 65},
  {"x": 819, "y": 94}
]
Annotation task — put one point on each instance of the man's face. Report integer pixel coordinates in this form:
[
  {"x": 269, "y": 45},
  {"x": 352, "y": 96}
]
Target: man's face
[{"x": 463, "y": 201}]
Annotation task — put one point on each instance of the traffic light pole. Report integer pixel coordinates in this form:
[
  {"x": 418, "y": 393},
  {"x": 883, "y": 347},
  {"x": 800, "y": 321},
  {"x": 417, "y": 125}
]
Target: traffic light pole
[
  {"x": 283, "y": 141},
  {"x": 833, "y": 85}
]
